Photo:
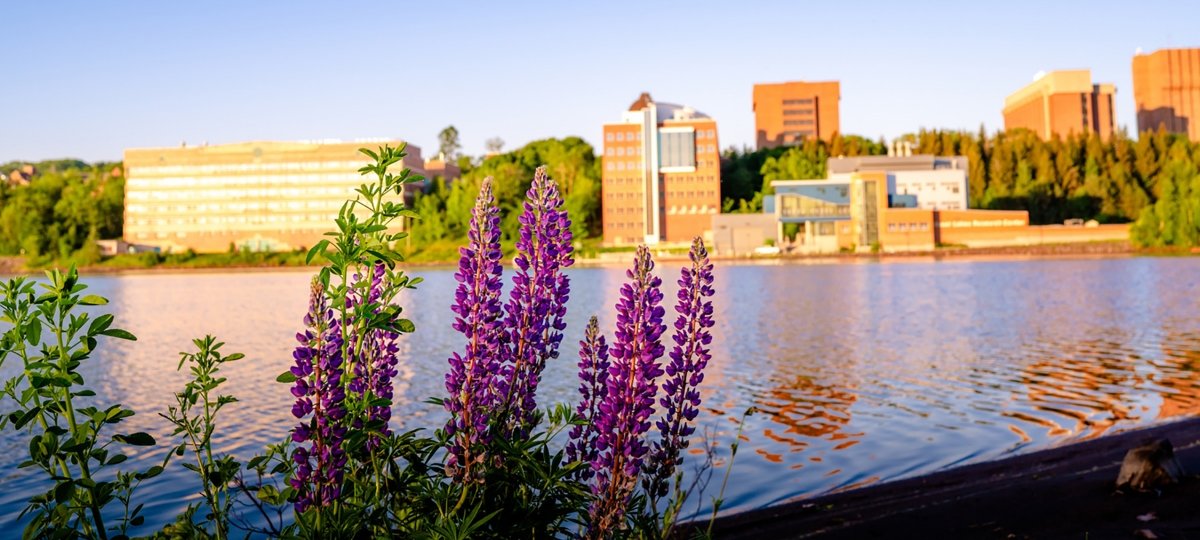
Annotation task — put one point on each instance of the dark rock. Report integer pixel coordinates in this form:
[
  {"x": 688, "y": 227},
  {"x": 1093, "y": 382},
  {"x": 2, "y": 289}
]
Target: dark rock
[{"x": 1151, "y": 466}]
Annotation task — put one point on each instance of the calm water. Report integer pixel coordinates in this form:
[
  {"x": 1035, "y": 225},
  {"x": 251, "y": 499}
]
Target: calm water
[{"x": 863, "y": 373}]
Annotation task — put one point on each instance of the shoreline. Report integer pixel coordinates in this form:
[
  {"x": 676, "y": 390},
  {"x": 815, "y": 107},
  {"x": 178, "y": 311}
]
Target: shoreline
[
  {"x": 1089, "y": 250},
  {"x": 1061, "y": 492}
]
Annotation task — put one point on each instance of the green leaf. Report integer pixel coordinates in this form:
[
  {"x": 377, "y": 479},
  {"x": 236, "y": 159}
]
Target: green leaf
[
  {"x": 140, "y": 438},
  {"x": 286, "y": 377},
  {"x": 34, "y": 331},
  {"x": 20, "y": 421},
  {"x": 150, "y": 473},
  {"x": 100, "y": 324},
  {"x": 93, "y": 300},
  {"x": 319, "y": 248},
  {"x": 119, "y": 334},
  {"x": 63, "y": 491},
  {"x": 406, "y": 326}
]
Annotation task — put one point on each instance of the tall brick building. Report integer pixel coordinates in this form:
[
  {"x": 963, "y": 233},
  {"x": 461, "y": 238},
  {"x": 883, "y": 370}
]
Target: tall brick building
[
  {"x": 786, "y": 113},
  {"x": 662, "y": 174},
  {"x": 1166, "y": 88},
  {"x": 1062, "y": 102}
]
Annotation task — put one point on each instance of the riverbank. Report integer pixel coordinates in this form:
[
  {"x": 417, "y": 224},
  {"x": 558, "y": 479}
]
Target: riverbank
[
  {"x": 1064, "y": 492},
  {"x": 216, "y": 262}
]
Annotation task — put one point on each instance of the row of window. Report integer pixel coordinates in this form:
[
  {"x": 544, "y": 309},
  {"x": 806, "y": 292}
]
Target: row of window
[
  {"x": 709, "y": 193},
  {"x": 620, "y": 136},
  {"x": 678, "y": 179},
  {"x": 621, "y": 165},
  {"x": 805, "y": 122},
  {"x": 347, "y": 178},
  {"x": 797, "y": 112},
  {"x": 906, "y": 227},
  {"x": 691, "y": 210},
  {"x": 340, "y": 193},
  {"x": 217, "y": 208},
  {"x": 915, "y": 187},
  {"x": 805, "y": 101},
  {"x": 243, "y": 167},
  {"x": 232, "y": 220},
  {"x": 620, "y": 151}
]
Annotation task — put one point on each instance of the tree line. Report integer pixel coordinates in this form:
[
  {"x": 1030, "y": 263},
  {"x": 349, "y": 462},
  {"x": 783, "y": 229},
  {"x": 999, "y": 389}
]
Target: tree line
[
  {"x": 445, "y": 207},
  {"x": 63, "y": 211},
  {"x": 1152, "y": 181}
]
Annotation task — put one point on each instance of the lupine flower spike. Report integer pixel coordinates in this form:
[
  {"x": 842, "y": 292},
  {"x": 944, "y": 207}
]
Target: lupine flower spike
[
  {"x": 624, "y": 414},
  {"x": 593, "y": 374},
  {"x": 685, "y": 371},
  {"x": 478, "y": 316},
  {"x": 375, "y": 366},
  {"x": 537, "y": 303},
  {"x": 320, "y": 466}
]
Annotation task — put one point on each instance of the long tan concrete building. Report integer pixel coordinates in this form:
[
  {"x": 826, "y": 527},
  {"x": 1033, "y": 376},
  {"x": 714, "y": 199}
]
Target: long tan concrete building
[
  {"x": 260, "y": 196},
  {"x": 1061, "y": 103},
  {"x": 1166, "y": 89}
]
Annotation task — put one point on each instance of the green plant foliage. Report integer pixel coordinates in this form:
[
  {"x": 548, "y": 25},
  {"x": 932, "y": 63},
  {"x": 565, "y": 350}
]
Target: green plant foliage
[
  {"x": 445, "y": 208},
  {"x": 62, "y": 212},
  {"x": 50, "y": 339}
]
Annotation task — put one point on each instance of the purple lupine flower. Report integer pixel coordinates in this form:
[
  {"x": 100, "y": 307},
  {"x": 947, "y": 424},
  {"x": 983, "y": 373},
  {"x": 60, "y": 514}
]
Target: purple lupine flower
[
  {"x": 320, "y": 467},
  {"x": 374, "y": 363},
  {"x": 593, "y": 372},
  {"x": 685, "y": 371},
  {"x": 624, "y": 414},
  {"x": 537, "y": 302},
  {"x": 478, "y": 313}
]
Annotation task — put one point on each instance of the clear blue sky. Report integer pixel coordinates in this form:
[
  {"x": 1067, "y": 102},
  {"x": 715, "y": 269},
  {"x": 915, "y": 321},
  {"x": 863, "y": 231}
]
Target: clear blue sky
[{"x": 88, "y": 79}]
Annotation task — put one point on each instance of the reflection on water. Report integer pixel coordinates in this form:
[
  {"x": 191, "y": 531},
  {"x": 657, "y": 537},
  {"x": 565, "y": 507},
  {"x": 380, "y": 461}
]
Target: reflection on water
[{"x": 862, "y": 372}]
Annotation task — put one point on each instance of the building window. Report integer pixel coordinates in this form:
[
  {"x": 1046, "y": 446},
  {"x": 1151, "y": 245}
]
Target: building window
[
  {"x": 797, "y": 112},
  {"x": 677, "y": 149},
  {"x": 806, "y": 101},
  {"x": 805, "y": 122},
  {"x": 608, "y": 136}
]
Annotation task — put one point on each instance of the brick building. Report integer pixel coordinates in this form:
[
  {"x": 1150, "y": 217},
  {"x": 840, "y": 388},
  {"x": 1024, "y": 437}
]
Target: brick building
[
  {"x": 662, "y": 174},
  {"x": 1166, "y": 89},
  {"x": 786, "y": 113},
  {"x": 1061, "y": 103}
]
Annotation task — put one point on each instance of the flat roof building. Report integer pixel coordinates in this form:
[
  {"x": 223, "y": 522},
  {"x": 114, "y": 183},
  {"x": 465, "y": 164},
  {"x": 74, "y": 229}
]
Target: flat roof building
[
  {"x": 1166, "y": 89},
  {"x": 1061, "y": 103},
  {"x": 260, "y": 196},
  {"x": 936, "y": 182},
  {"x": 661, "y": 180},
  {"x": 787, "y": 113}
]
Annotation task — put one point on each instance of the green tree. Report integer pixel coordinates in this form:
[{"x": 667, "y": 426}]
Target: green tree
[{"x": 448, "y": 142}]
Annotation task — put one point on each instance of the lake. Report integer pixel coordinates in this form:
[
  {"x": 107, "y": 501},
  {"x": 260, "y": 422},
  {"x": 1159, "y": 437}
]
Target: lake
[{"x": 862, "y": 372}]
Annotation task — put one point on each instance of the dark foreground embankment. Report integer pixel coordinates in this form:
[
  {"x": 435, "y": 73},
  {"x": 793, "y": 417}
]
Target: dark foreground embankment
[{"x": 1064, "y": 492}]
